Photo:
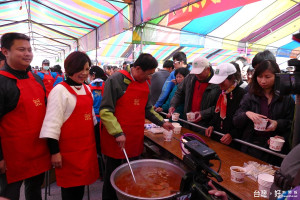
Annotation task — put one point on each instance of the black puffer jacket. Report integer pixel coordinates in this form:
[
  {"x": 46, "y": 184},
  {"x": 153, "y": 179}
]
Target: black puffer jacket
[
  {"x": 233, "y": 101},
  {"x": 184, "y": 94},
  {"x": 282, "y": 110}
]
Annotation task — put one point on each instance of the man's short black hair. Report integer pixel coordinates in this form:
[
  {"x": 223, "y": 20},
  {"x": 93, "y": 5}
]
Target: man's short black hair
[
  {"x": 146, "y": 61},
  {"x": 180, "y": 56},
  {"x": 7, "y": 39},
  {"x": 126, "y": 62},
  {"x": 47, "y": 62},
  {"x": 168, "y": 64},
  {"x": 57, "y": 68},
  {"x": 107, "y": 67}
]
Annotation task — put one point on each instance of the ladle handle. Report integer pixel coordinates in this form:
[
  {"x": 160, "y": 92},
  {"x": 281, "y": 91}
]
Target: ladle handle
[{"x": 123, "y": 149}]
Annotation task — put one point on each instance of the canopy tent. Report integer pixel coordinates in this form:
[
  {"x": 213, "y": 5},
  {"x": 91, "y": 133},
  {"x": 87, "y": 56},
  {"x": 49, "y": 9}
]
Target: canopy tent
[
  {"x": 58, "y": 27},
  {"x": 246, "y": 30},
  {"x": 222, "y": 37},
  {"x": 219, "y": 29},
  {"x": 55, "y": 27}
]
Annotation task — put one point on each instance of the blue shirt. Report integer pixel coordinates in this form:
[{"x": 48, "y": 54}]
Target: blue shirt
[
  {"x": 97, "y": 94},
  {"x": 167, "y": 88}
]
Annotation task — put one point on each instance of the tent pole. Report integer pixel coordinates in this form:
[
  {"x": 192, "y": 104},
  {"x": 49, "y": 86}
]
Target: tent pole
[
  {"x": 142, "y": 31},
  {"x": 296, "y": 131},
  {"x": 96, "y": 46},
  {"x": 77, "y": 44},
  {"x": 133, "y": 25}
]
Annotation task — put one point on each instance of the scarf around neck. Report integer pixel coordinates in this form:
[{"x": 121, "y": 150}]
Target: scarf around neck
[{"x": 222, "y": 101}]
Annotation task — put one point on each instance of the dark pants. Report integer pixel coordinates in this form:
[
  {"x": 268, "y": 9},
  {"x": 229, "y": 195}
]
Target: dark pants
[
  {"x": 32, "y": 188},
  {"x": 108, "y": 192},
  {"x": 98, "y": 148},
  {"x": 72, "y": 193},
  {"x": 97, "y": 138}
]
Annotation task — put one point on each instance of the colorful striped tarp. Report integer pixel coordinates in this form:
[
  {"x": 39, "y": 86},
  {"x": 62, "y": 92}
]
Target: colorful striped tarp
[{"x": 241, "y": 28}]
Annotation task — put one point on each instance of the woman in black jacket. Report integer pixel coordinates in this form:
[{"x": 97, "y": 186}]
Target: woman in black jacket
[
  {"x": 228, "y": 78},
  {"x": 262, "y": 102}
]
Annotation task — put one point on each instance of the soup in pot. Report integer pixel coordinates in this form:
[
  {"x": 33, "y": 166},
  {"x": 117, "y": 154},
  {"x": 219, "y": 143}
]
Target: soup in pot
[{"x": 151, "y": 182}]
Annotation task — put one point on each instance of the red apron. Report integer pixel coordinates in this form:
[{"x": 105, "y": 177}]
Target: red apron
[
  {"x": 48, "y": 82},
  {"x": 77, "y": 144},
  {"x": 130, "y": 112},
  {"x": 26, "y": 155}
]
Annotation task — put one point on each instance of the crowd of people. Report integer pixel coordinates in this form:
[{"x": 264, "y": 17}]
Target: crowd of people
[{"x": 81, "y": 121}]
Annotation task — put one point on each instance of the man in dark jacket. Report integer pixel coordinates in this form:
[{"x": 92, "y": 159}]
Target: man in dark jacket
[
  {"x": 23, "y": 156},
  {"x": 123, "y": 110},
  {"x": 158, "y": 79},
  {"x": 179, "y": 60},
  {"x": 196, "y": 93},
  {"x": 288, "y": 176}
]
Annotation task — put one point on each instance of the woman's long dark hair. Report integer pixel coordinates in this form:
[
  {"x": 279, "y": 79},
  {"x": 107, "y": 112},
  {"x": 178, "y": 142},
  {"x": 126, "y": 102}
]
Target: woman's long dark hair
[
  {"x": 237, "y": 75},
  {"x": 262, "y": 67}
]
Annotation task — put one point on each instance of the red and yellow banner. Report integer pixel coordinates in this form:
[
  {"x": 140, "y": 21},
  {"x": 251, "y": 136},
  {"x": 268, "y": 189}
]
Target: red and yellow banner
[{"x": 204, "y": 8}]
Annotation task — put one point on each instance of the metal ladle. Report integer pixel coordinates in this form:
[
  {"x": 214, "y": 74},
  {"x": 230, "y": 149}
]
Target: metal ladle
[{"x": 123, "y": 149}]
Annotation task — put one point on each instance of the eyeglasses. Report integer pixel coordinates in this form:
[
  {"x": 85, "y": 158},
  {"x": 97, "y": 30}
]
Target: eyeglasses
[{"x": 175, "y": 62}]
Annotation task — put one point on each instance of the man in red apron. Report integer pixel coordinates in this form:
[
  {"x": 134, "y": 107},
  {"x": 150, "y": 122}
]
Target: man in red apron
[
  {"x": 50, "y": 79},
  {"x": 123, "y": 109},
  {"x": 23, "y": 156},
  {"x": 46, "y": 76}
]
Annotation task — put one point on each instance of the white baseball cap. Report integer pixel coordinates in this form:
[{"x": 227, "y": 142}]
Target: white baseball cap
[
  {"x": 199, "y": 64},
  {"x": 222, "y": 72}
]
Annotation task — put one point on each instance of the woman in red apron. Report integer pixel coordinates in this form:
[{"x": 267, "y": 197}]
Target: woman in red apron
[
  {"x": 69, "y": 127},
  {"x": 123, "y": 109}
]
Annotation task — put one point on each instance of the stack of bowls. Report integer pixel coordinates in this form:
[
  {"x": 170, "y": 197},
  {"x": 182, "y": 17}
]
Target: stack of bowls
[{"x": 265, "y": 182}]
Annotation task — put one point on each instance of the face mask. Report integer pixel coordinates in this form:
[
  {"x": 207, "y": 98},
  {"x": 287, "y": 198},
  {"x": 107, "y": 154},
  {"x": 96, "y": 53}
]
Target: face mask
[{"x": 46, "y": 68}]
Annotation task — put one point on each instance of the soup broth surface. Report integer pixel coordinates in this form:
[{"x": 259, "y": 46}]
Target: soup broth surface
[{"x": 151, "y": 182}]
